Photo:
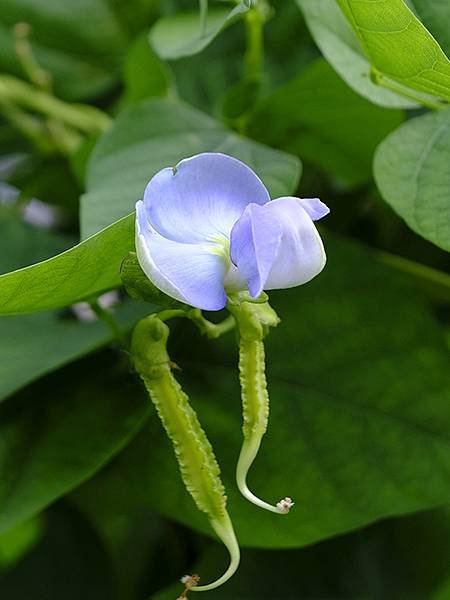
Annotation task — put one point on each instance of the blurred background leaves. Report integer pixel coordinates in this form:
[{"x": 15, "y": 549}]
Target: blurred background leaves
[{"x": 90, "y": 500}]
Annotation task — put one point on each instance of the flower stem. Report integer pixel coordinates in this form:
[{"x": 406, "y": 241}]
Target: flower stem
[
  {"x": 254, "y": 55},
  {"x": 79, "y": 116},
  {"x": 198, "y": 465},
  {"x": 203, "y": 16}
]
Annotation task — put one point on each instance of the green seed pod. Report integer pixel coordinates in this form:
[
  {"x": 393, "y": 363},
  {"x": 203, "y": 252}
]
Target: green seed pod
[
  {"x": 198, "y": 465},
  {"x": 254, "y": 320}
]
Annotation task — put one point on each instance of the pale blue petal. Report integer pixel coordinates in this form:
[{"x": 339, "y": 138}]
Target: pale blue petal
[
  {"x": 255, "y": 239},
  {"x": 191, "y": 273},
  {"x": 315, "y": 208},
  {"x": 202, "y": 197},
  {"x": 301, "y": 255}
]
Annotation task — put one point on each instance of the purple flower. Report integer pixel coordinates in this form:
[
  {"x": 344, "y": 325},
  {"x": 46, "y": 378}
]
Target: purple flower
[{"x": 207, "y": 228}]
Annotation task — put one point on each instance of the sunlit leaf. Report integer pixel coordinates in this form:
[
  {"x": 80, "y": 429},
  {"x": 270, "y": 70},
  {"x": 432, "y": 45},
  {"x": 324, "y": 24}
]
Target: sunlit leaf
[
  {"x": 341, "y": 48},
  {"x": 398, "y": 45}
]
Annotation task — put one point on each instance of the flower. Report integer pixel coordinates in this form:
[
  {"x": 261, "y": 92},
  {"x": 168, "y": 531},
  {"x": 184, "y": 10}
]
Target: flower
[{"x": 207, "y": 227}]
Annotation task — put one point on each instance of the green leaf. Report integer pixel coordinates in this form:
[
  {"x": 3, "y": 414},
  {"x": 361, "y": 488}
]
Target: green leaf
[
  {"x": 61, "y": 431},
  {"x": 18, "y": 541},
  {"x": 359, "y": 427},
  {"x": 340, "y": 47},
  {"x": 398, "y": 45},
  {"x": 69, "y": 562},
  {"x": 85, "y": 270},
  {"x": 395, "y": 559},
  {"x": 411, "y": 168},
  {"x": 435, "y": 15},
  {"x": 145, "y": 75},
  {"x": 155, "y": 134},
  {"x": 21, "y": 243},
  {"x": 319, "y": 118},
  {"x": 64, "y": 338},
  {"x": 78, "y": 38},
  {"x": 183, "y": 34}
]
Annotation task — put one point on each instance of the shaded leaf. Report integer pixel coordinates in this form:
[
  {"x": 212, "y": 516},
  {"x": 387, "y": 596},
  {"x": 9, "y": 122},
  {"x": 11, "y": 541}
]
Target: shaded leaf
[
  {"x": 411, "y": 168},
  {"x": 319, "y": 118},
  {"x": 60, "y": 432},
  {"x": 182, "y": 34},
  {"x": 145, "y": 75}
]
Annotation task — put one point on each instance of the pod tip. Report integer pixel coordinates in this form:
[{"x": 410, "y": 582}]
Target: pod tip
[{"x": 285, "y": 505}]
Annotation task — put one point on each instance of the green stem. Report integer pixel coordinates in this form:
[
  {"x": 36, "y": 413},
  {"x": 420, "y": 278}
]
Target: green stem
[
  {"x": 254, "y": 56},
  {"x": 36, "y": 74},
  {"x": 198, "y": 465},
  {"x": 203, "y": 16},
  {"x": 435, "y": 281},
  {"x": 110, "y": 321},
  {"x": 380, "y": 79},
  {"x": 82, "y": 117},
  {"x": 211, "y": 330}
]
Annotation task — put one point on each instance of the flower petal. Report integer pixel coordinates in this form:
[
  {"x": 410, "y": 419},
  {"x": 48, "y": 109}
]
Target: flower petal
[
  {"x": 202, "y": 197},
  {"x": 315, "y": 208},
  {"x": 301, "y": 255},
  {"x": 191, "y": 273},
  {"x": 255, "y": 239}
]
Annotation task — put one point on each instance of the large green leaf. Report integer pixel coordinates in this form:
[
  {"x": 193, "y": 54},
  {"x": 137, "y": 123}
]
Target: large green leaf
[
  {"x": 65, "y": 339},
  {"x": 58, "y": 433},
  {"x": 411, "y": 169},
  {"x": 154, "y": 134},
  {"x": 319, "y": 118},
  {"x": 360, "y": 420},
  {"x": 85, "y": 270},
  {"x": 184, "y": 33},
  {"x": 79, "y": 43},
  {"x": 22, "y": 338},
  {"x": 435, "y": 14},
  {"x": 340, "y": 46},
  {"x": 398, "y": 45}
]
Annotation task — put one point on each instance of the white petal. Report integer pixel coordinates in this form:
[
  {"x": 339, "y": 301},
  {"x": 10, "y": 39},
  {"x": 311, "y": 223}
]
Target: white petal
[
  {"x": 202, "y": 197},
  {"x": 301, "y": 255},
  {"x": 191, "y": 273}
]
